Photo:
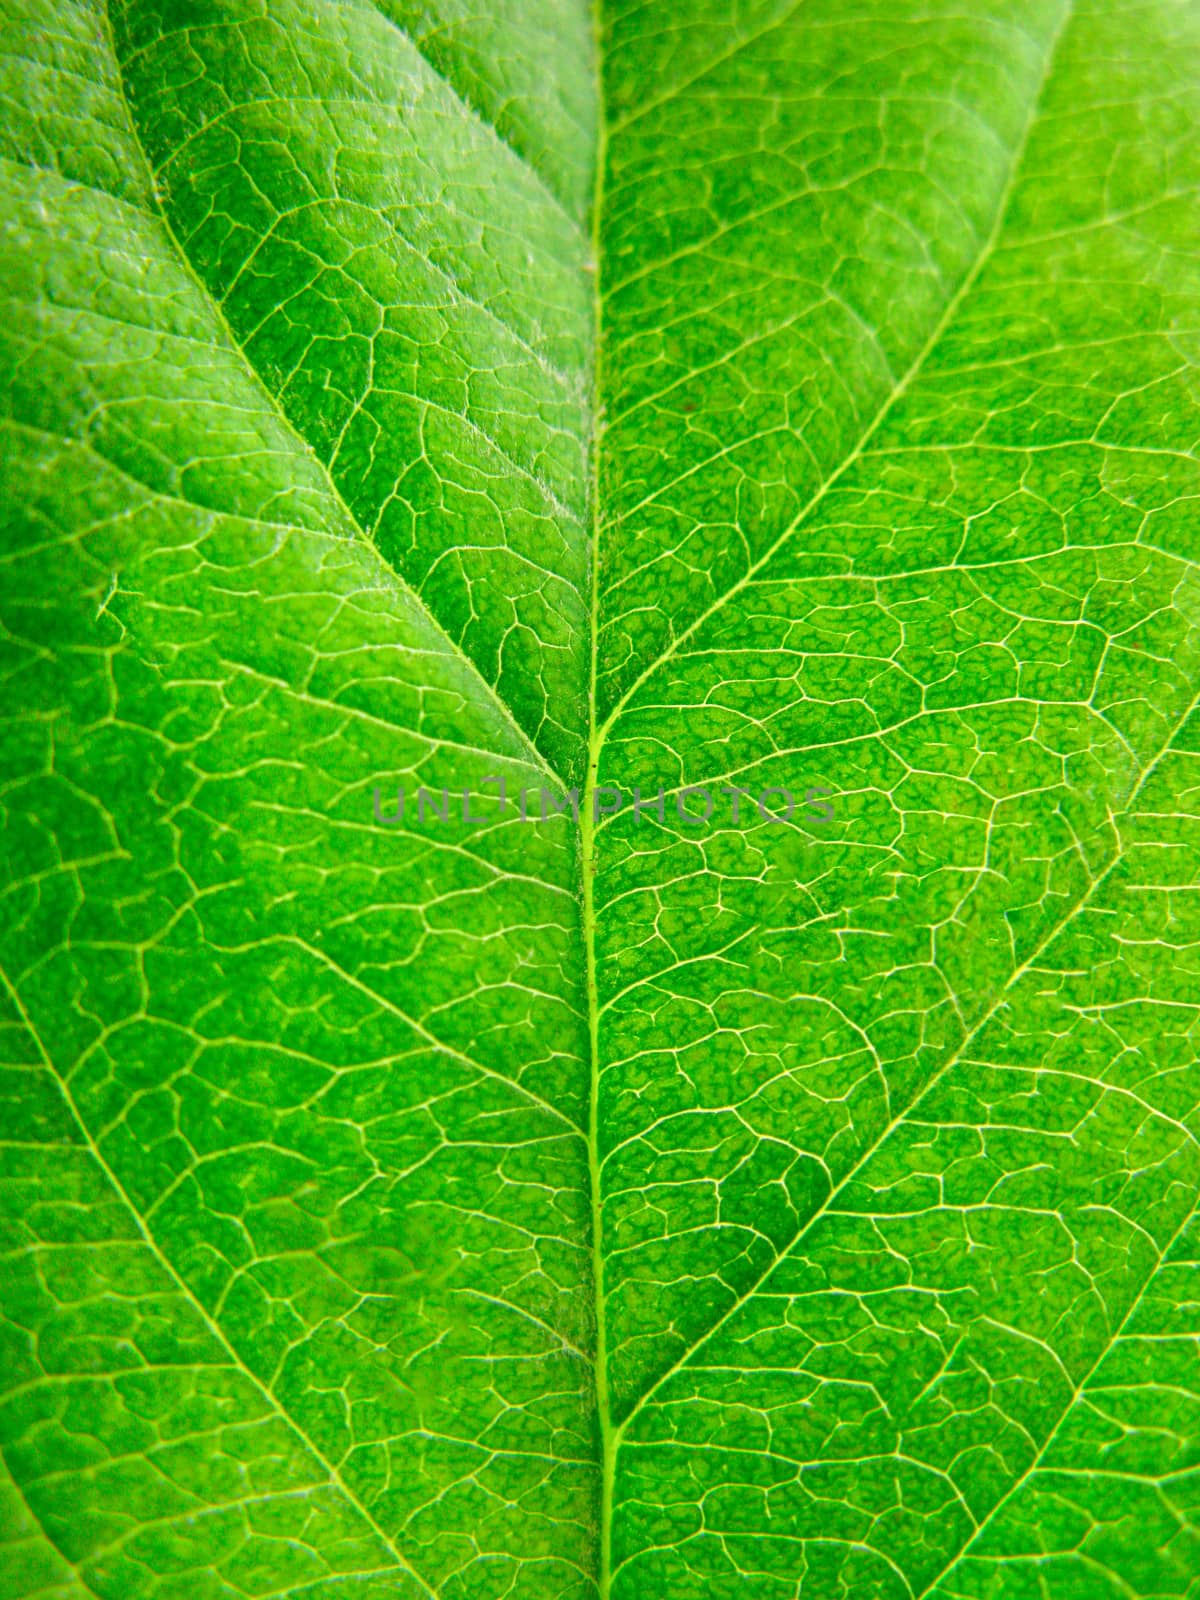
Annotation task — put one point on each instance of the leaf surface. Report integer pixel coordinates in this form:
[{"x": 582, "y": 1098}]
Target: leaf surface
[{"x": 729, "y": 397}]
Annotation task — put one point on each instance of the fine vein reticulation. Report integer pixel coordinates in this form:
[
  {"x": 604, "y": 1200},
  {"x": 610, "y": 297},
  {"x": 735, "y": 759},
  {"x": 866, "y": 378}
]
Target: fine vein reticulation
[{"x": 743, "y": 395}]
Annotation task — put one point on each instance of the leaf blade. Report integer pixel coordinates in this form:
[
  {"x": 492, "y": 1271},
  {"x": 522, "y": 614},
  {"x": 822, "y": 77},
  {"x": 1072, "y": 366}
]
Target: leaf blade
[
  {"x": 993, "y": 877},
  {"x": 335, "y": 1065},
  {"x": 656, "y": 1207}
]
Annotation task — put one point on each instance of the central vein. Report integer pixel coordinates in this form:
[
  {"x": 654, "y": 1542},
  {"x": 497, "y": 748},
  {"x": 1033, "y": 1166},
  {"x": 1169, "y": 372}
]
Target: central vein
[{"x": 587, "y": 841}]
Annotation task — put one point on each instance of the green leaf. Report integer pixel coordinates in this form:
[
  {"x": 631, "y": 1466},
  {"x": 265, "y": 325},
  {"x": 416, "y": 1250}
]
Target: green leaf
[{"x": 741, "y": 397}]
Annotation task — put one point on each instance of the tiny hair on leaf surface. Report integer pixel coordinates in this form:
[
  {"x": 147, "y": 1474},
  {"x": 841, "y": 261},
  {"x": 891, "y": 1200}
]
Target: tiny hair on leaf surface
[{"x": 412, "y": 406}]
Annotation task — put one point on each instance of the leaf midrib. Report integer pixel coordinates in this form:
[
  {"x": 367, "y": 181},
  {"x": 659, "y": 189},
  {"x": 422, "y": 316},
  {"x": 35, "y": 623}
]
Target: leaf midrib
[{"x": 587, "y": 845}]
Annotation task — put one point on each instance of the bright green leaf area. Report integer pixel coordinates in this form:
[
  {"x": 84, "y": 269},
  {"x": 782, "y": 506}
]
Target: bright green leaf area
[{"x": 736, "y": 393}]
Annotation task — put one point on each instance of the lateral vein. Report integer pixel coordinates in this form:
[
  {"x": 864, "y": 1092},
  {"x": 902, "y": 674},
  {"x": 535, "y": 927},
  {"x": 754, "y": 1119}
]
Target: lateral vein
[
  {"x": 492, "y": 696},
  {"x": 150, "y": 1241},
  {"x": 983, "y": 256}
]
